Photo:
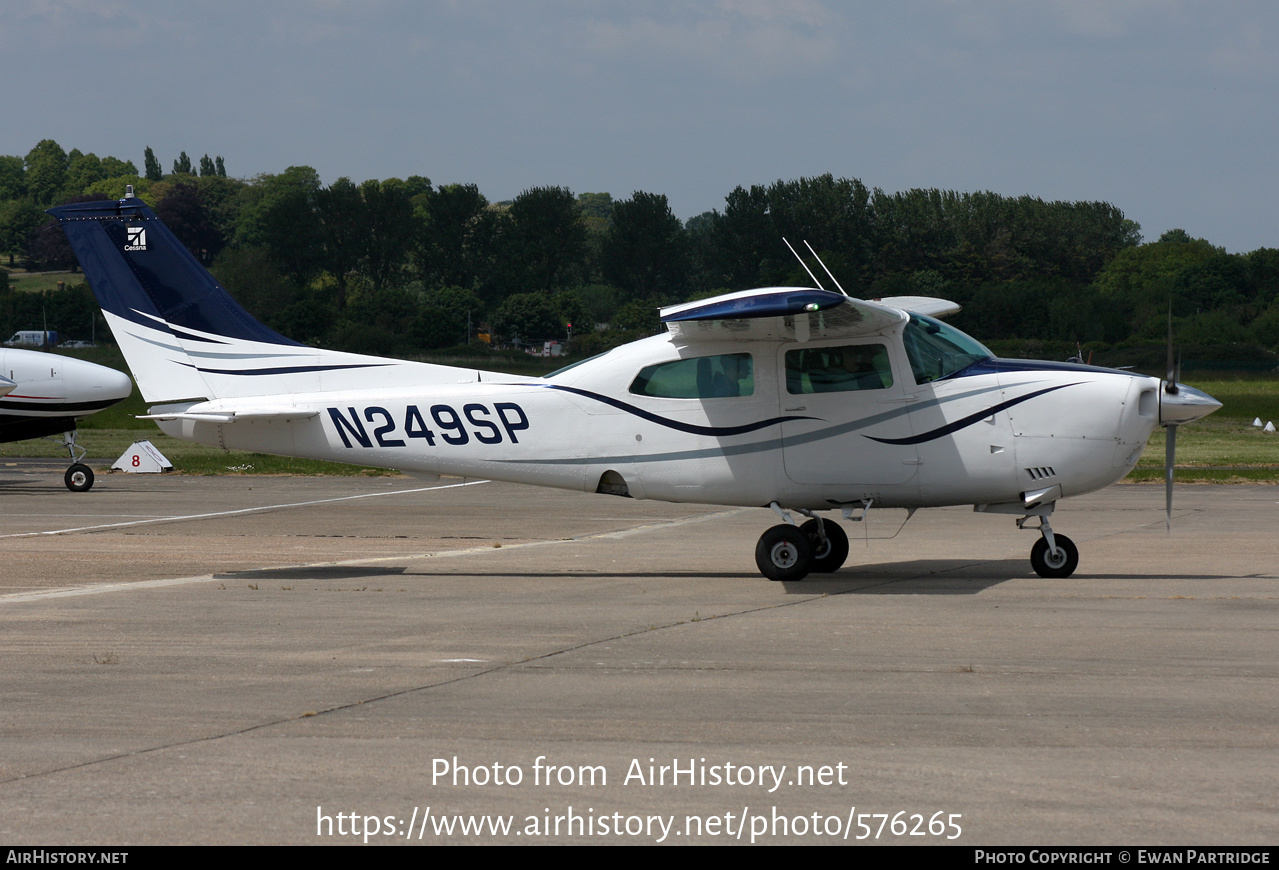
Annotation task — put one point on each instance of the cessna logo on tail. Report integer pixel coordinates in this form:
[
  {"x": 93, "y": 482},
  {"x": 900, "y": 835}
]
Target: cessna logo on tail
[{"x": 136, "y": 239}]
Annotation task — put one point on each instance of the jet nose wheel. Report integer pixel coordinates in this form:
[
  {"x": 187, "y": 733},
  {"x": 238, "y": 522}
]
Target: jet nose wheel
[
  {"x": 79, "y": 478},
  {"x": 784, "y": 553},
  {"x": 1059, "y": 564}
]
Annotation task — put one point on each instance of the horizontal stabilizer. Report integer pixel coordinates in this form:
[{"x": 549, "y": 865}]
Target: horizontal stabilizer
[{"x": 216, "y": 412}]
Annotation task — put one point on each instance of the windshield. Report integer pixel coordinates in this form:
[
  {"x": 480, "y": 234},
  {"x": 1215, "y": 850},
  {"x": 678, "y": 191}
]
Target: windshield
[{"x": 937, "y": 350}]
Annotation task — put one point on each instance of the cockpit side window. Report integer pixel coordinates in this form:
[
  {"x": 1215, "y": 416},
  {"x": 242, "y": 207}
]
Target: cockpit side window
[
  {"x": 838, "y": 369},
  {"x": 707, "y": 377},
  {"x": 937, "y": 350}
]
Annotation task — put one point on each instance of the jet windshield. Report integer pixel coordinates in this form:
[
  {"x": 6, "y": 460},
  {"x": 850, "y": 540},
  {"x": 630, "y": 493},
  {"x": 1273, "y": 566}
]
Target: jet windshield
[{"x": 937, "y": 350}]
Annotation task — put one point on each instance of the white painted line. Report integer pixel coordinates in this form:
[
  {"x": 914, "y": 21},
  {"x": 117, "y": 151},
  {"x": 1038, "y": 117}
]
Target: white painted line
[
  {"x": 259, "y": 509},
  {"x": 248, "y": 574},
  {"x": 102, "y": 587}
]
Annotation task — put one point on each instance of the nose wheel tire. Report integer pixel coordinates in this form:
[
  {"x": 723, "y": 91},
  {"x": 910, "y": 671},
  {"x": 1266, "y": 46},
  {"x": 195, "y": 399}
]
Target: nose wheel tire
[
  {"x": 1062, "y": 564},
  {"x": 829, "y": 555},
  {"x": 784, "y": 553},
  {"x": 79, "y": 478}
]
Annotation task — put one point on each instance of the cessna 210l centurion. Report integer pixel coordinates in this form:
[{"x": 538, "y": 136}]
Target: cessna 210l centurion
[
  {"x": 802, "y": 400},
  {"x": 48, "y": 393}
]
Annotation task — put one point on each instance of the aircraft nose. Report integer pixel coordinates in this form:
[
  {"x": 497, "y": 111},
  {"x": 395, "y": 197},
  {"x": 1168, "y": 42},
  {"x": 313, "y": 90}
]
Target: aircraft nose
[
  {"x": 1185, "y": 405},
  {"x": 119, "y": 385}
]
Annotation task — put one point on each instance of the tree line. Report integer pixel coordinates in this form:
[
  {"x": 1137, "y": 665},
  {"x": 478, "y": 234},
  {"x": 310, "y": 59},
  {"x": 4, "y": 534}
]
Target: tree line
[{"x": 399, "y": 266}]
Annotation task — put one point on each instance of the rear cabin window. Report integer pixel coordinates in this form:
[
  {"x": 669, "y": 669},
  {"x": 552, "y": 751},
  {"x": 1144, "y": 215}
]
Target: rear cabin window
[
  {"x": 705, "y": 377},
  {"x": 838, "y": 369}
]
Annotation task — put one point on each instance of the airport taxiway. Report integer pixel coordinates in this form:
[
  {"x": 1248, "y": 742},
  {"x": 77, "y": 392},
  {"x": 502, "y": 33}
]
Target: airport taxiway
[{"x": 235, "y": 659}]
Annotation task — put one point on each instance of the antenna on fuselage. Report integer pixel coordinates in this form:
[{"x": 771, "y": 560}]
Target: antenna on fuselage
[
  {"x": 805, "y": 265},
  {"x": 828, "y": 272}
]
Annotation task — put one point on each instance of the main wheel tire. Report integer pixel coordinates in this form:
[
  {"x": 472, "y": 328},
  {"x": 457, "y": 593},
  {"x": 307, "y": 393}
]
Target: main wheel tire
[
  {"x": 784, "y": 553},
  {"x": 79, "y": 478},
  {"x": 1062, "y": 565},
  {"x": 829, "y": 555}
]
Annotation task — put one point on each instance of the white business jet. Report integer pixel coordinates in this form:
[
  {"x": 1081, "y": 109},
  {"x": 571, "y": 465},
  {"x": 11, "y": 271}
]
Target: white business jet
[
  {"x": 45, "y": 394},
  {"x": 800, "y": 400}
]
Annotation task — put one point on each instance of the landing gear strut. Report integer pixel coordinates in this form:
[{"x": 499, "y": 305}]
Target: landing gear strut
[
  {"x": 79, "y": 477},
  {"x": 1054, "y": 556}
]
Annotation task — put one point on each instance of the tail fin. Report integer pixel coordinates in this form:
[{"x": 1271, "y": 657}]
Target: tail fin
[{"x": 183, "y": 335}]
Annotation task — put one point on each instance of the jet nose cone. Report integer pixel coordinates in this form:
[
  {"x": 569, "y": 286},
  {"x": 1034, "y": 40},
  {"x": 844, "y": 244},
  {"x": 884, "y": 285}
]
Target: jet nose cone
[
  {"x": 116, "y": 385},
  {"x": 89, "y": 382},
  {"x": 1185, "y": 405}
]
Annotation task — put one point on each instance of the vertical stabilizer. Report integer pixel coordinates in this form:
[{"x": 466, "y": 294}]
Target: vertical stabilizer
[{"x": 183, "y": 335}]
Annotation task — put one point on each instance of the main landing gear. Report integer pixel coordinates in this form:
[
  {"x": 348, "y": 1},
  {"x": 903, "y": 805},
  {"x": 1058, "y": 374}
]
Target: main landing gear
[
  {"x": 79, "y": 477},
  {"x": 788, "y": 552}
]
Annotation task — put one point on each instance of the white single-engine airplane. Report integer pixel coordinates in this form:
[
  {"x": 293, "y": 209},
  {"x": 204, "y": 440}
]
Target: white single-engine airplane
[
  {"x": 797, "y": 399},
  {"x": 45, "y": 394}
]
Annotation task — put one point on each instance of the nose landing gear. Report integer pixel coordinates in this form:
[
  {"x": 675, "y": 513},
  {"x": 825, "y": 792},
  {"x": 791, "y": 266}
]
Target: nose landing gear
[
  {"x": 1053, "y": 556},
  {"x": 79, "y": 477}
]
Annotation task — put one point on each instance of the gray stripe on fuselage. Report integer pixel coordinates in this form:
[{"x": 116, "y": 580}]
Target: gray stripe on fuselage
[{"x": 758, "y": 446}]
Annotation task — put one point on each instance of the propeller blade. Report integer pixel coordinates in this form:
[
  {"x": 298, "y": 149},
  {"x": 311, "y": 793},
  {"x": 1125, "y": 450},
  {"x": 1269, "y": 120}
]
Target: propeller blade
[{"x": 1170, "y": 457}]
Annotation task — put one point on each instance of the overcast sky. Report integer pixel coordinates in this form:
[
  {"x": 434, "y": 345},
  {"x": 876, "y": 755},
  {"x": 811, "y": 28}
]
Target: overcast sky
[{"x": 1167, "y": 109}]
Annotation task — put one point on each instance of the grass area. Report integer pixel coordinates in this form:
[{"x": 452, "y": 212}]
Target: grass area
[
  {"x": 1214, "y": 449},
  {"x": 35, "y": 282}
]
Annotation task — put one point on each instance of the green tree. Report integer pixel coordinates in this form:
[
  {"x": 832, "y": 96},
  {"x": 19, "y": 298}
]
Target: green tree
[
  {"x": 283, "y": 219},
  {"x": 13, "y": 185},
  {"x": 598, "y": 303},
  {"x": 185, "y": 213},
  {"x": 46, "y": 174},
  {"x": 443, "y": 316},
  {"x": 455, "y": 239},
  {"x": 596, "y": 207},
  {"x": 82, "y": 171},
  {"x": 207, "y": 169},
  {"x": 390, "y": 229},
  {"x": 18, "y": 220},
  {"x": 545, "y": 242},
  {"x": 645, "y": 253},
  {"x": 341, "y": 216},
  {"x": 529, "y": 318},
  {"x": 152, "y": 166},
  {"x": 1176, "y": 236},
  {"x": 744, "y": 240},
  {"x": 1263, "y": 275},
  {"x": 182, "y": 166},
  {"x": 115, "y": 167},
  {"x": 251, "y": 275}
]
